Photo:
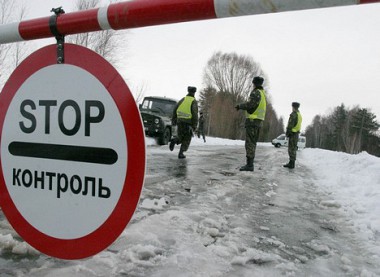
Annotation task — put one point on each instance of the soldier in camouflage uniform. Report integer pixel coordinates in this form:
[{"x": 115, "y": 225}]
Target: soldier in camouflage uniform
[
  {"x": 292, "y": 132},
  {"x": 255, "y": 110},
  {"x": 185, "y": 115},
  {"x": 201, "y": 127}
]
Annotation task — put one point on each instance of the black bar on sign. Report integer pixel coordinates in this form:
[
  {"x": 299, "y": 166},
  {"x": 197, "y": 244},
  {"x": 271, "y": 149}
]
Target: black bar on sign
[{"x": 63, "y": 152}]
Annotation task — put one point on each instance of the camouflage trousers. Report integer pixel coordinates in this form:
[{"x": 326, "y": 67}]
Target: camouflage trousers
[
  {"x": 184, "y": 135},
  {"x": 201, "y": 133},
  {"x": 251, "y": 137},
  {"x": 292, "y": 146}
]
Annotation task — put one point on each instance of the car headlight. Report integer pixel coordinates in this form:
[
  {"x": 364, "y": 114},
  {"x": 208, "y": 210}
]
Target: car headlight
[{"x": 157, "y": 121}]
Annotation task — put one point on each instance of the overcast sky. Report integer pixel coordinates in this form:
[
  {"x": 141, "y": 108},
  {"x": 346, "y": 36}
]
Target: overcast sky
[{"x": 320, "y": 58}]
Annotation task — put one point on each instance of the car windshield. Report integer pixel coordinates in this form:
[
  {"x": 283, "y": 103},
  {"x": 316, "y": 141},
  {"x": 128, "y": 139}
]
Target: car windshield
[{"x": 159, "y": 106}]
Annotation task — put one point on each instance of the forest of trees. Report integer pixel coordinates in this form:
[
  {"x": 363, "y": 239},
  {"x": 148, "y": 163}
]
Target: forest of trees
[
  {"x": 346, "y": 130},
  {"x": 105, "y": 43},
  {"x": 228, "y": 78}
]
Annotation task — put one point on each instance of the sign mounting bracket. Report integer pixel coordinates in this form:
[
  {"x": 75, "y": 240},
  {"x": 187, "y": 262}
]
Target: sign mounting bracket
[{"x": 58, "y": 36}]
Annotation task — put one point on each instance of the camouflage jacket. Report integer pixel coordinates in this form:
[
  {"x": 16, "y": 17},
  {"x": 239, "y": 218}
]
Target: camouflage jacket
[
  {"x": 250, "y": 106},
  {"x": 194, "y": 114},
  {"x": 292, "y": 122}
]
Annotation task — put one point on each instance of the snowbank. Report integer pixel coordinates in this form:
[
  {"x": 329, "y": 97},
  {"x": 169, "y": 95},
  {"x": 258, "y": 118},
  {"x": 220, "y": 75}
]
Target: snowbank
[{"x": 353, "y": 181}]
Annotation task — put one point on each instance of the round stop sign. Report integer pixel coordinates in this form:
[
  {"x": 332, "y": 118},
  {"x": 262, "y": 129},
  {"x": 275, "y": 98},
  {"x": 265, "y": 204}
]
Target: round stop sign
[{"x": 72, "y": 152}]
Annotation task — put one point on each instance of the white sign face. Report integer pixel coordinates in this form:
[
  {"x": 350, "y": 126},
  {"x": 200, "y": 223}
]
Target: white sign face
[
  {"x": 72, "y": 158},
  {"x": 64, "y": 152}
]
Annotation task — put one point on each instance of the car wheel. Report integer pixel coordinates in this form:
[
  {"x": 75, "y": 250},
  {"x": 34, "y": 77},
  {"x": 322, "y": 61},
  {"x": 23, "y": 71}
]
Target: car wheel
[
  {"x": 277, "y": 145},
  {"x": 164, "y": 137}
]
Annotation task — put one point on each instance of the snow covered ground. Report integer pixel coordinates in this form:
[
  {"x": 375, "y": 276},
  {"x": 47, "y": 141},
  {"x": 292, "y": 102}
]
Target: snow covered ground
[
  {"x": 353, "y": 181},
  {"x": 185, "y": 227}
]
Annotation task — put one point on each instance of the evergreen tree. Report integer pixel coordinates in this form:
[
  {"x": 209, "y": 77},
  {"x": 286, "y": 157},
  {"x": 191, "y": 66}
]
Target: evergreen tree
[
  {"x": 363, "y": 125},
  {"x": 339, "y": 121},
  {"x": 351, "y": 131}
]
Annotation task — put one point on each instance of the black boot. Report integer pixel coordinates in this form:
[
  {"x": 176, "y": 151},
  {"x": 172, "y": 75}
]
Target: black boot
[
  {"x": 289, "y": 165},
  {"x": 181, "y": 155},
  {"x": 173, "y": 142},
  {"x": 248, "y": 166}
]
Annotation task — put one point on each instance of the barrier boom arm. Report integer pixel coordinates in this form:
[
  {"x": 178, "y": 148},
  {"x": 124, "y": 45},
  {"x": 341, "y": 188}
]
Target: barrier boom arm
[{"x": 141, "y": 13}]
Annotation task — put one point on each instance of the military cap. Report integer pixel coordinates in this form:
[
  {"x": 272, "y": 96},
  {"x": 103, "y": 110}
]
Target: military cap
[
  {"x": 191, "y": 89},
  {"x": 295, "y": 105},
  {"x": 258, "y": 81}
]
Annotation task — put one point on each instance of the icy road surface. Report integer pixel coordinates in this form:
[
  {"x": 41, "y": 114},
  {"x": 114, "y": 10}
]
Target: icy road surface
[{"x": 202, "y": 217}]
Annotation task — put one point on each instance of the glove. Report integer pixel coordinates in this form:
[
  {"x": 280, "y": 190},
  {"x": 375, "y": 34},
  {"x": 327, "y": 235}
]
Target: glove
[
  {"x": 237, "y": 107},
  {"x": 288, "y": 133}
]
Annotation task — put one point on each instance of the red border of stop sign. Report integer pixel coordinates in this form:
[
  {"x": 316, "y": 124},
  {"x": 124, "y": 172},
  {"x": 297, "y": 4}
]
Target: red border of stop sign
[{"x": 108, "y": 232}]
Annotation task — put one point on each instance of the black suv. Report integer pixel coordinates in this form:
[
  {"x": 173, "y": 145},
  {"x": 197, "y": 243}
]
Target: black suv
[{"x": 156, "y": 113}]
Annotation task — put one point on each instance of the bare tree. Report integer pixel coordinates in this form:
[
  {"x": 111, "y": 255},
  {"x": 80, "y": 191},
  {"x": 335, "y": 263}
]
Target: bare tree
[
  {"x": 229, "y": 76},
  {"x": 5, "y": 7},
  {"x": 105, "y": 43},
  {"x": 139, "y": 92},
  {"x": 232, "y": 73},
  {"x": 11, "y": 54},
  {"x": 19, "y": 49}
]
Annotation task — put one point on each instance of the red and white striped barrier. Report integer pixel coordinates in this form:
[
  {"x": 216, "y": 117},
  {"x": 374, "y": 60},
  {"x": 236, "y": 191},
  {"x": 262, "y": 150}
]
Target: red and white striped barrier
[{"x": 141, "y": 13}]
